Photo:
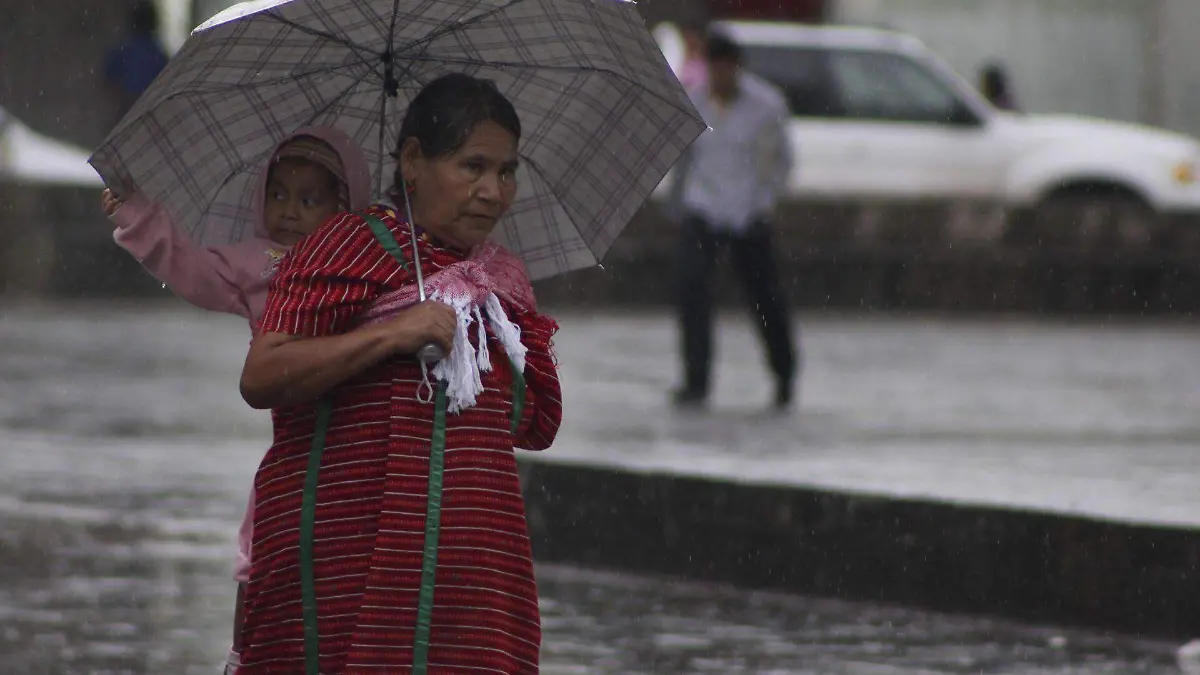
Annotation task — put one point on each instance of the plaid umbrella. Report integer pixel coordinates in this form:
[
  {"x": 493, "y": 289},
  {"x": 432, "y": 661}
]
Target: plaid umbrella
[{"x": 602, "y": 115}]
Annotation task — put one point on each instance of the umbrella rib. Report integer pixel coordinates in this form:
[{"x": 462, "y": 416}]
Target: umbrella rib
[
  {"x": 425, "y": 40},
  {"x": 329, "y": 104},
  {"x": 357, "y": 50},
  {"x": 284, "y": 79},
  {"x": 561, "y": 69},
  {"x": 382, "y": 136},
  {"x": 533, "y": 166},
  {"x": 392, "y": 29},
  {"x": 446, "y": 30}
]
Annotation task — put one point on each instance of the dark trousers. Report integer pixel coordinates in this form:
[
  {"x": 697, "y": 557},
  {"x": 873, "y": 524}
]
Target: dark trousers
[{"x": 755, "y": 265}]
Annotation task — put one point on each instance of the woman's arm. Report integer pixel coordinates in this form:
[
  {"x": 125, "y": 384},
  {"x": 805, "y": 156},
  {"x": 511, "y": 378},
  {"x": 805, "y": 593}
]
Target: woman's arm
[
  {"x": 283, "y": 370},
  {"x": 543, "y": 405},
  {"x": 543, "y": 394},
  {"x": 202, "y": 276},
  {"x": 305, "y": 345}
]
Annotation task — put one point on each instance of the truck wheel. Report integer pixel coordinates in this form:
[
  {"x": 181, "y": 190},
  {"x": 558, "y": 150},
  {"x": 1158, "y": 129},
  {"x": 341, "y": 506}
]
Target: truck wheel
[{"x": 1094, "y": 220}]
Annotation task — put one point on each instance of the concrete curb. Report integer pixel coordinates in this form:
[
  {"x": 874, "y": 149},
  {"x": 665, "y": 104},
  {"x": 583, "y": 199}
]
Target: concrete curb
[{"x": 1019, "y": 564}]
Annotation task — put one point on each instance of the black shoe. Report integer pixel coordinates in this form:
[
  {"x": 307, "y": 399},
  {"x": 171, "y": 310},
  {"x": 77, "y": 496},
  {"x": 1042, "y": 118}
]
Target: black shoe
[
  {"x": 783, "y": 395},
  {"x": 689, "y": 398}
]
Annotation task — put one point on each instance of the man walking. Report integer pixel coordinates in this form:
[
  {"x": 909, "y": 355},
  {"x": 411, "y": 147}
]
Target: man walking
[{"x": 726, "y": 196}]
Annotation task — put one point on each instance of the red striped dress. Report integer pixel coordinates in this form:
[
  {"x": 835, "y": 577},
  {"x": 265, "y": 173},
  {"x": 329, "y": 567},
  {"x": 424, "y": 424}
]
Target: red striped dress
[{"x": 371, "y": 499}]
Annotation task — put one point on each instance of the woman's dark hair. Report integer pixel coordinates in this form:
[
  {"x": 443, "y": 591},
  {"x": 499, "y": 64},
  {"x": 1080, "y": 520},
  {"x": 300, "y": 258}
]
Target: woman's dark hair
[{"x": 445, "y": 113}]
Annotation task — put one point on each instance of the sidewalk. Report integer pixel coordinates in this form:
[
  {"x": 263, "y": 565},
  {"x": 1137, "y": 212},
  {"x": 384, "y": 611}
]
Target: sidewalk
[
  {"x": 1088, "y": 419},
  {"x": 1043, "y": 472}
]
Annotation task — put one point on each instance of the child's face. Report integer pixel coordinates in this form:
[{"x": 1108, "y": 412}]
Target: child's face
[{"x": 300, "y": 197}]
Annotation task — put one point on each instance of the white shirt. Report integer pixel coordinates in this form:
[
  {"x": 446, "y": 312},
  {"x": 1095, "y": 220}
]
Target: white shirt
[{"x": 733, "y": 173}]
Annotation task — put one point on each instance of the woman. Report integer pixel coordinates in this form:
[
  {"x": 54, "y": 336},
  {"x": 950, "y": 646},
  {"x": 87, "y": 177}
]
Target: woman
[{"x": 316, "y": 366}]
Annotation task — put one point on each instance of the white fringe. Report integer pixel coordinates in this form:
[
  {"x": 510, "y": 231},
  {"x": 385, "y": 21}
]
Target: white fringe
[
  {"x": 458, "y": 369},
  {"x": 507, "y": 332},
  {"x": 482, "y": 356},
  {"x": 461, "y": 369}
]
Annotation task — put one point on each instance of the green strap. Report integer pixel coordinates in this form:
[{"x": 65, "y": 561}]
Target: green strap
[
  {"x": 433, "y": 526},
  {"x": 433, "y": 508},
  {"x": 308, "y": 518},
  {"x": 386, "y": 239},
  {"x": 518, "y": 392}
]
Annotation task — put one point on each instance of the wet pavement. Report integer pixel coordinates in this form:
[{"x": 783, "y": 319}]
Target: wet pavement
[
  {"x": 125, "y": 456},
  {"x": 1099, "y": 419}
]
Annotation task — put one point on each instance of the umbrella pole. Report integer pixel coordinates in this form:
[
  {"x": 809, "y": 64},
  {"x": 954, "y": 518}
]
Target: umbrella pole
[
  {"x": 412, "y": 232},
  {"x": 430, "y": 353}
]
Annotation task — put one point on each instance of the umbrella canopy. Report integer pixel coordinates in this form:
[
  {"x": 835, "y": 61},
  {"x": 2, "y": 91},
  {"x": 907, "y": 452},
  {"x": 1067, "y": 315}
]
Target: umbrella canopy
[
  {"x": 603, "y": 117},
  {"x": 30, "y": 158}
]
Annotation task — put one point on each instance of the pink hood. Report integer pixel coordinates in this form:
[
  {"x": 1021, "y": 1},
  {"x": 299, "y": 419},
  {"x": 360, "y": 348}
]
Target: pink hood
[
  {"x": 233, "y": 278},
  {"x": 354, "y": 161}
]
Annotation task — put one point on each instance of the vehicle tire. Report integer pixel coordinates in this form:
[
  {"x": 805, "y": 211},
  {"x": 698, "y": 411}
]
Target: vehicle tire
[{"x": 1108, "y": 219}]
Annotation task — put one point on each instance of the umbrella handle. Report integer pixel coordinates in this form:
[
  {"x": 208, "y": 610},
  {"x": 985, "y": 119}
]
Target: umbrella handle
[{"x": 430, "y": 354}]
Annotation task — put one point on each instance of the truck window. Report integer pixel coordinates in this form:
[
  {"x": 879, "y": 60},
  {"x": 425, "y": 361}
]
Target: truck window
[
  {"x": 802, "y": 75},
  {"x": 891, "y": 87}
]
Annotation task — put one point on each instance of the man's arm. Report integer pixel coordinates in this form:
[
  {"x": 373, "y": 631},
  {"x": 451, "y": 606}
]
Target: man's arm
[
  {"x": 679, "y": 176},
  {"x": 681, "y": 172},
  {"x": 778, "y": 153}
]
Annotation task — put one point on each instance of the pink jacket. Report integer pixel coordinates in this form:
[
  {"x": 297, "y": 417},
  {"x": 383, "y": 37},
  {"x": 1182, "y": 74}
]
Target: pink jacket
[{"x": 235, "y": 278}]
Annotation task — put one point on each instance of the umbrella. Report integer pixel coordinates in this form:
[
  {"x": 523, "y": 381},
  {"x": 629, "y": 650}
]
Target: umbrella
[{"x": 603, "y": 116}]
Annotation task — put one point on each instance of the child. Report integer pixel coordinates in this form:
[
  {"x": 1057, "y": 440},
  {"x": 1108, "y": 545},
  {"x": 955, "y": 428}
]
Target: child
[{"x": 313, "y": 174}]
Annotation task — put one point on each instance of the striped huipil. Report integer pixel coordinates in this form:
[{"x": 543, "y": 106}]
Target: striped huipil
[{"x": 374, "y": 473}]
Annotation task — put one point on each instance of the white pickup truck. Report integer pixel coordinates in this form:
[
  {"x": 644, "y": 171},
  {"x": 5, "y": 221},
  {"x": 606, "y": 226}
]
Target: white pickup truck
[{"x": 877, "y": 115}]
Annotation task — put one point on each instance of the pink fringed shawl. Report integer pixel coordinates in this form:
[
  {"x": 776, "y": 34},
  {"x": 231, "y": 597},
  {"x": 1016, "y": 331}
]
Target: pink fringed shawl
[{"x": 473, "y": 288}]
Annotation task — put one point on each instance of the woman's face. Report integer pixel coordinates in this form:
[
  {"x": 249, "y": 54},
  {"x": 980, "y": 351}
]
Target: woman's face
[{"x": 460, "y": 197}]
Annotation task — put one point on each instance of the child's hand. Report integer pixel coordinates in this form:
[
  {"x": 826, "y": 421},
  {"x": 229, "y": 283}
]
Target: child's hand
[{"x": 110, "y": 202}]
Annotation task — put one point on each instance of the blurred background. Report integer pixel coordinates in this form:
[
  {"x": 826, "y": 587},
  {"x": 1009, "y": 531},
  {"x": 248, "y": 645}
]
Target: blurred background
[
  {"x": 992, "y": 467},
  {"x": 1078, "y": 205}
]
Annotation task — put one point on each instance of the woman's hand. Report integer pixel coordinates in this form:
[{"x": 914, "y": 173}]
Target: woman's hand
[
  {"x": 110, "y": 202},
  {"x": 283, "y": 370},
  {"x": 422, "y": 324}
]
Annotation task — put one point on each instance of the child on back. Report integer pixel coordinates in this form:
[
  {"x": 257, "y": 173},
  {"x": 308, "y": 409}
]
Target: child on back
[{"x": 312, "y": 175}]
